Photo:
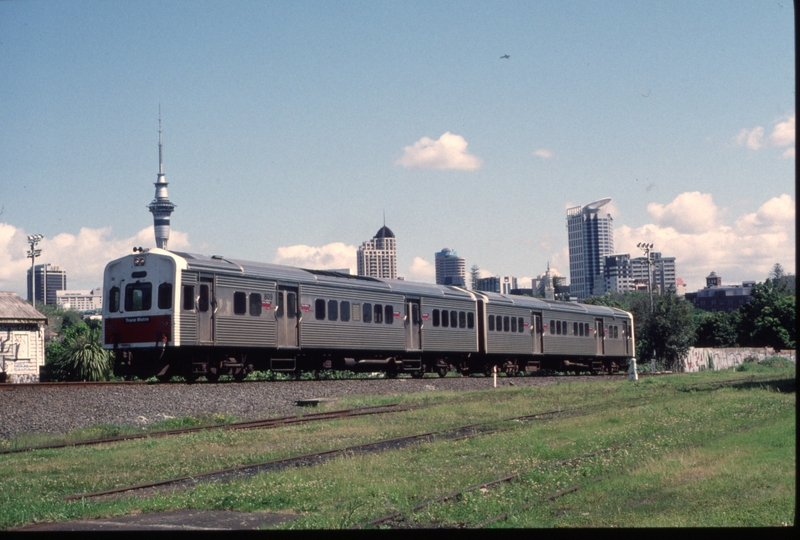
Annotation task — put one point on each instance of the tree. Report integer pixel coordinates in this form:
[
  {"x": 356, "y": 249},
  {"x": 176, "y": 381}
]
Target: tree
[
  {"x": 769, "y": 319},
  {"x": 78, "y": 355},
  {"x": 715, "y": 329}
]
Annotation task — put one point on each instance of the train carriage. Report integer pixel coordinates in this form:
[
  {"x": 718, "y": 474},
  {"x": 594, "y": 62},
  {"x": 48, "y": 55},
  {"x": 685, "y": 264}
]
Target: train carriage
[{"x": 171, "y": 313}]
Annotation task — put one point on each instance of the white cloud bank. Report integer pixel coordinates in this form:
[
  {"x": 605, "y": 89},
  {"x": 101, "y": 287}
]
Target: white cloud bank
[
  {"x": 691, "y": 229},
  {"x": 84, "y": 255},
  {"x": 783, "y": 134},
  {"x": 333, "y": 256},
  {"x": 449, "y": 152}
]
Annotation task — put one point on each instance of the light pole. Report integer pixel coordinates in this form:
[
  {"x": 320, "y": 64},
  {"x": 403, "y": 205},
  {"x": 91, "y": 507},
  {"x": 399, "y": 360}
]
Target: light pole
[
  {"x": 645, "y": 247},
  {"x": 34, "y": 239}
]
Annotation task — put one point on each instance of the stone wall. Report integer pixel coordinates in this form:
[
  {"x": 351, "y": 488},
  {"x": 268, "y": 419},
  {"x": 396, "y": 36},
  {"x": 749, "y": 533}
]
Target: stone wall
[{"x": 700, "y": 359}]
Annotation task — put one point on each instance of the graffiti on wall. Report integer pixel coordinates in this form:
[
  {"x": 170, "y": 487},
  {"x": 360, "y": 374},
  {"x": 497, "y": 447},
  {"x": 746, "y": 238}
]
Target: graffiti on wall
[{"x": 703, "y": 358}]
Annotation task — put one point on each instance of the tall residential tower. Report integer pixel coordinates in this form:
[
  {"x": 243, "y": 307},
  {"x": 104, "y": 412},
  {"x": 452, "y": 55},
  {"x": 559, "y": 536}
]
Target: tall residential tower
[
  {"x": 591, "y": 238},
  {"x": 450, "y": 268},
  {"x": 378, "y": 257},
  {"x": 161, "y": 207}
]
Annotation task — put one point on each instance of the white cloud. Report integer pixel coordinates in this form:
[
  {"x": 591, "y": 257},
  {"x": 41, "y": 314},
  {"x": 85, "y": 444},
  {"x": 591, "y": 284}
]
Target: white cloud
[
  {"x": 449, "y": 152},
  {"x": 421, "y": 270},
  {"x": 335, "y": 255},
  {"x": 83, "y": 255},
  {"x": 543, "y": 153},
  {"x": 752, "y": 138},
  {"x": 690, "y": 212},
  {"x": 745, "y": 251},
  {"x": 783, "y": 134}
]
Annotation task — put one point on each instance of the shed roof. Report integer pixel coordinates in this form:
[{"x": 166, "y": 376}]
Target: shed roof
[{"x": 14, "y": 309}]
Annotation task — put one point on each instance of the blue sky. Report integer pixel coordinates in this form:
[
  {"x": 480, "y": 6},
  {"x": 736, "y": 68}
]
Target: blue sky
[{"x": 291, "y": 127}]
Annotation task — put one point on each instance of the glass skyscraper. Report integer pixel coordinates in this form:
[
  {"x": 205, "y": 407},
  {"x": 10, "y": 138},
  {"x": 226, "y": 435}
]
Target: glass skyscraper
[{"x": 591, "y": 239}]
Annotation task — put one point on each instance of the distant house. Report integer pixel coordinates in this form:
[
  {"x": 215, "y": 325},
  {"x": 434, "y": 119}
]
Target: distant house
[
  {"x": 21, "y": 339},
  {"x": 718, "y": 297}
]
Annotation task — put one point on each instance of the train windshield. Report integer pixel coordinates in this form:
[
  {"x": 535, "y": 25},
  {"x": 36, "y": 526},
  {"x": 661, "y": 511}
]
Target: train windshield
[{"x": 138, "y": 296}]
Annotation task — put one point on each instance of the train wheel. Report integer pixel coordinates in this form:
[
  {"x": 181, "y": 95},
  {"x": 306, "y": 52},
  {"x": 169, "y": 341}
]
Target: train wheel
[
  {"x": 442, "y": 371},
  {"x": 418, "y": 374},
  {"x": 239, "y": 375},
  {"x": 488, "y": 370}
]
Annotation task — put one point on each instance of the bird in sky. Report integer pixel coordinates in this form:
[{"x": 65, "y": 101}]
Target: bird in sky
[{"x": 505, "y": 56}]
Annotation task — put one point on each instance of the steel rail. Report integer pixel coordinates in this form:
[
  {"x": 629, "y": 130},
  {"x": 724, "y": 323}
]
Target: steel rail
[{"x": 265, "y": 423}]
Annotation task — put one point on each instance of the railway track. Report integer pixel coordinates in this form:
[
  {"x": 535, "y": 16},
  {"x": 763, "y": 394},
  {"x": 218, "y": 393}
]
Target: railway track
[{"x": 265, "y": 423}]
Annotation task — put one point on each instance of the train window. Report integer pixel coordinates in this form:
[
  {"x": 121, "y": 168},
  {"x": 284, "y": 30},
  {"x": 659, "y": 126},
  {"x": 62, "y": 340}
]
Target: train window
[
  {"x": 586, "y": 329},
  {"x": 388, "y": 315},
  {"x": 239, "y": 303},
  {"x": 453, "y": 319},
  {"x": 165, "y": 296},
  {"x": 319, "y": 309},
  {"x": 203, "y": 300},
  {"x": 378, "y": 314},
  {"x": 333, "y": 310},
  {"x": 188, "y": 297},
  {"x": 113, "y": 300},
  {"x": 470, "y": 320},
  {"x": 506, "y": 324},
  {"x": 520, "y": 324},
  {"x": 574, "y": 329},
  {"x": 462, "y": 319},
  {"x": 435, "y": 317},
  {"x": 616, "y": 332},
  {"x": 255, "y": 304},
  {"x": 552, "y": 326},
  {"x": 491, "y": 323},
  {"x": 514, "y": 324},
  {"x": 356, "y": 312},
  {"x": 367, "y": 313},
  {"x": 291, "y": 305},
  {"x": 138, "y": 296},
  {"x": 344, "y": 310},
  {"x": 580, "y": 329}
]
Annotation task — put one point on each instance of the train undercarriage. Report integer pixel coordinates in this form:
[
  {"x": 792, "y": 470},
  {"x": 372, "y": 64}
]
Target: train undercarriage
[{"x": 192, "y": 363}]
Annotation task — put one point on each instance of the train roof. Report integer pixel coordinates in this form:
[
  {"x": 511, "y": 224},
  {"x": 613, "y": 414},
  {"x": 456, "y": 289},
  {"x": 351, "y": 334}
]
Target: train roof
[
  {"x": 279, "y": 272},
  {"x": 551, "y": 305}
]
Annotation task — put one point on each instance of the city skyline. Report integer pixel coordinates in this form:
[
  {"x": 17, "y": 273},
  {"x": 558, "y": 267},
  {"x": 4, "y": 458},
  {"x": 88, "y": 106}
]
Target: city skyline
[{"x": 290, "y": 129}]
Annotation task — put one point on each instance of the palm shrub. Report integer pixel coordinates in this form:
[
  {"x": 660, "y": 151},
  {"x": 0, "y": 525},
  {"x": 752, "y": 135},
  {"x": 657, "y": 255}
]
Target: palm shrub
[{"x": 79, "y": 355}]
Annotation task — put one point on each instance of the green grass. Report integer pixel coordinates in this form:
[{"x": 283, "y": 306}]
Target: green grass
[{"x": 704, "y": 455}]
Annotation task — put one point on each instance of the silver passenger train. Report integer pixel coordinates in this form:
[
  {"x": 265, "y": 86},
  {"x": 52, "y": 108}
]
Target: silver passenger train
[{"x": 169, "y": 313}]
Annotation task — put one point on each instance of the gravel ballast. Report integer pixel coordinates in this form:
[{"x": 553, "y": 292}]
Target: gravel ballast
[{"x": 62, "y": 409}]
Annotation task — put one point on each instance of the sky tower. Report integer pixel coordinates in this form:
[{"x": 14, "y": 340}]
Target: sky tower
[{"x": 161, "y": 207}]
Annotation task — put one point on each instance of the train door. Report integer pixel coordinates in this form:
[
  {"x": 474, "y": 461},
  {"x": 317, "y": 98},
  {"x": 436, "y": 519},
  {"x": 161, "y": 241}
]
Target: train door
[
  {"x": 206, "y": 307},
  {"x": 286, "y": 317},
  {"x": 599, "y": 336},
  {"x": 413, "y": 325},
  {"x": 536, "y": 332},
  {"x": 626, "y": 333}
]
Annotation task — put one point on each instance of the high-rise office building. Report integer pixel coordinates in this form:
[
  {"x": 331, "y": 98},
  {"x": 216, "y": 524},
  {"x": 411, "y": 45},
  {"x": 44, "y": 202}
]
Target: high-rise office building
[
  {"x": 48, "y": 279},
  {"x": 450, "y": 268},
  {"x": 378, "y": 257},
  {"x": 498, "y": 284},
  {"x": 591, "y": 239}
]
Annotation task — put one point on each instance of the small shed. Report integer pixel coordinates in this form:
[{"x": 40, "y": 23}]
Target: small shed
[{"x": 21, "y": 340}]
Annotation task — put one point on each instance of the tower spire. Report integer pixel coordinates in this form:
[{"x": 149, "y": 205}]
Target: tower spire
[{"x": 161, "y": 207}]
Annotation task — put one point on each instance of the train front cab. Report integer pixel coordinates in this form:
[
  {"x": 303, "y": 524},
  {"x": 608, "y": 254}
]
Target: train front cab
[{"x": 138, "y": 312}]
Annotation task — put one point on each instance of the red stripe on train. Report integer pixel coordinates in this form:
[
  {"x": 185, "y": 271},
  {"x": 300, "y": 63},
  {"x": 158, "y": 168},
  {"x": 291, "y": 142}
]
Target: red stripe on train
[{"x": 138, "y": 329}]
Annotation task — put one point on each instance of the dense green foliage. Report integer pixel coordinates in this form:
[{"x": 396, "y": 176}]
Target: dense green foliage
[
  {"x": 673, "y": 326},
  {"x": 78, "y": 355}
]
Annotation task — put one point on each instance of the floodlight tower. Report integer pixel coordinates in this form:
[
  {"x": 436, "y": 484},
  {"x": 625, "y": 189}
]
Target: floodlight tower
[
  {"x": 161, "y": 207},
  {"x": 647, "y": 248},
  {"x": 34, "y": 239}
]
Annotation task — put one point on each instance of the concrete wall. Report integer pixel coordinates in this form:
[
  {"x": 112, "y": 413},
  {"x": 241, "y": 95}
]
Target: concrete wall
[{"x": 700, "y": 359}]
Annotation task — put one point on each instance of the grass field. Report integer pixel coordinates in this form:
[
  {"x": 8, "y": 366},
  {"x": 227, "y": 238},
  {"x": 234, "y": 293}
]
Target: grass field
[{"x": 710, "y": 449}]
